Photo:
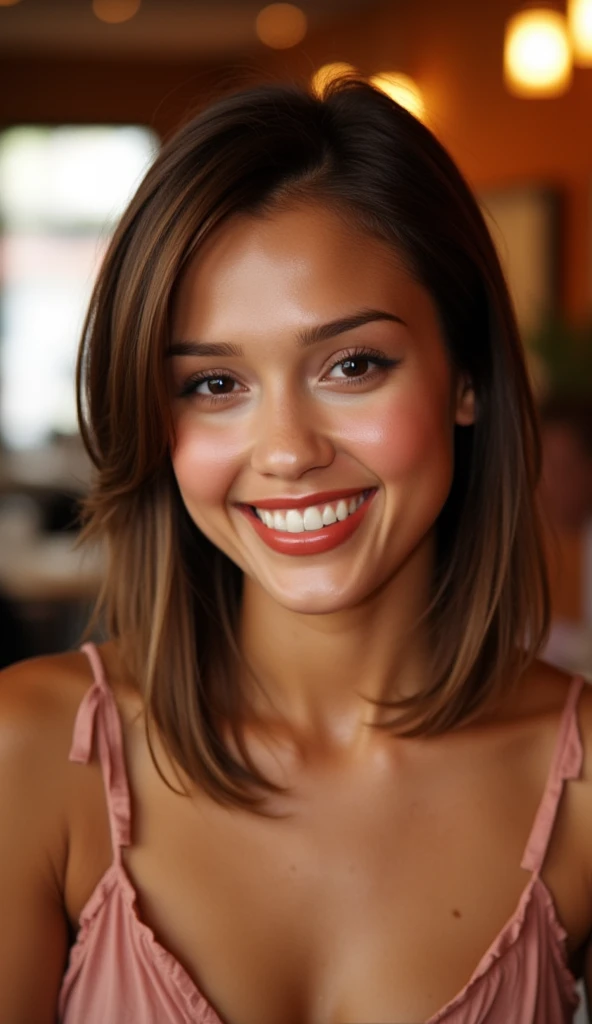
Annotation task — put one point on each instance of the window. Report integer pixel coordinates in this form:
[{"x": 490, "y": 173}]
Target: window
[{"x": 61, "y": 192}]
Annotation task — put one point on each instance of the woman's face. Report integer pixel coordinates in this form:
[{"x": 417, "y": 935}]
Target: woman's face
[{"x": 276, "y": 395}]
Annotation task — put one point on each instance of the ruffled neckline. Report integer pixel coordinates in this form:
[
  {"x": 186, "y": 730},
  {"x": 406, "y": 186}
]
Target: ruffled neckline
[{"x": 195, "y": 1001}]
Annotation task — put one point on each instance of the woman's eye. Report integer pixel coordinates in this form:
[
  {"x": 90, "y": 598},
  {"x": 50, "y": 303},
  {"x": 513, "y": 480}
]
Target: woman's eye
[
  {"x": 356, "y": 366},
  {"x": 218, "y": 385},
  {"x": 361, "y": 367}
]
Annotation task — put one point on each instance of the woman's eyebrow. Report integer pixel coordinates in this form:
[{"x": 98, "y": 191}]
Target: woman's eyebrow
[{"x": 306, "y": 337}]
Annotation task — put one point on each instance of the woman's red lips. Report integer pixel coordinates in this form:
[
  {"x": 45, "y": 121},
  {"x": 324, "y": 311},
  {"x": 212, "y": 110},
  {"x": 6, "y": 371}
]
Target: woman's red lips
[{"x": 310, "y": 542}]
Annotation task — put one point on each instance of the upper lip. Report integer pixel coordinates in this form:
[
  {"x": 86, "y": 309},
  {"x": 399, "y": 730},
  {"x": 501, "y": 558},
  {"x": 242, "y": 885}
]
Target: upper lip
[{"x": 306, "y": 500}]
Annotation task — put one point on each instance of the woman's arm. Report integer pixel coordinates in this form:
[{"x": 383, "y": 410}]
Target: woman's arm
[{"x": 33, "y": 844}]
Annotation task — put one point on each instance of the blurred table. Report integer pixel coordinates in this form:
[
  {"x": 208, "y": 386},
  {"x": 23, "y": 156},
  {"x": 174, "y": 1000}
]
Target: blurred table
[
  {"x": 61, "y": 466},
  {"x": 49, "y": 580},
  {"x": 49, "y": 567}
]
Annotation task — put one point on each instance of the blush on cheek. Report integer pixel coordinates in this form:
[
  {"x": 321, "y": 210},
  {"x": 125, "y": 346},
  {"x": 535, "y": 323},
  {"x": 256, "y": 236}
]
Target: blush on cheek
[
  {"x": 404, "y": 438},
  {"x": 205, "y": 466}
]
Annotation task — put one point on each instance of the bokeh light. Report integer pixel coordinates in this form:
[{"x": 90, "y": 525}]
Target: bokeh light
[
  {"x": 537, "y": 54},
  {"x": 115, "y": 11},
  {"x": 281, "y": 26},
  {"x": 403, "y": 89},
  {"x": 579, "y": 18}
]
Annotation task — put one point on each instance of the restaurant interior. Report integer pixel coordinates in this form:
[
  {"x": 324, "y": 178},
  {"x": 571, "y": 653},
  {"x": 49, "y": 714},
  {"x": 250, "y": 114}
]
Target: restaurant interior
[
  {"x": 90, "y": 88},
  {"x": 87, "y": 92}
]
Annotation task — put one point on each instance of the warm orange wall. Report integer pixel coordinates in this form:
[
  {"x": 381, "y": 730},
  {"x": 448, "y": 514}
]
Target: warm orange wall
[
  {"x": 453, "y": 48},
  {"x": 58, "y": 90}
]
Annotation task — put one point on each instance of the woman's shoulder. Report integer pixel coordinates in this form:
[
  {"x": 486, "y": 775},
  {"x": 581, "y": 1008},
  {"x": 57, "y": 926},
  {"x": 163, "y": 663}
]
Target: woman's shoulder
[
  {"x": 542, "y": 692},
  {"x": 546, "y": 695},
  {"x": 55, "y": 684},
  {"x": 39, "y": 701},
  {"x": 533, "y": 708},
  {"x": 38, "y": 692}
]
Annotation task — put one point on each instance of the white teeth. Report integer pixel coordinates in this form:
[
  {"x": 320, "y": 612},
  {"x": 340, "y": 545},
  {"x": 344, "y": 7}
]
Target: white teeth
[
  {"x": 295, "y": 520},
  {"x": 329, "y": 516},
  {"x": 278, "y": 521},
  {"x": 341, "y": 511},
  {"x": 312, "y": 519}
]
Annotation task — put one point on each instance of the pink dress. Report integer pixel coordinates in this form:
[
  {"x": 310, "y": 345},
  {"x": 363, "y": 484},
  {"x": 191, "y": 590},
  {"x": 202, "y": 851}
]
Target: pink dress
[{"x": 119, "y": 973}]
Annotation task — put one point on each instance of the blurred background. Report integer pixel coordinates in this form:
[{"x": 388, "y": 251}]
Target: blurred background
[{"x": 89, "y": 88}]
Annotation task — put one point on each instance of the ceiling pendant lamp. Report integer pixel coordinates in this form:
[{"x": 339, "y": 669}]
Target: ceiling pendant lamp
[
  {"x": 537, "y": 53},
  {"x": 579, "y": 19}
]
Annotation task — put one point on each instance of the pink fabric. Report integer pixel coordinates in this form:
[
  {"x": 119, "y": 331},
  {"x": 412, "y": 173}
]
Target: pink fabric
[{"x": 119, "y": 973}]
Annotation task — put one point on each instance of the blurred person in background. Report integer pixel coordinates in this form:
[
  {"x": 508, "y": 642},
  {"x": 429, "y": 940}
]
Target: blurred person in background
[{"x": 566, "y": 494}]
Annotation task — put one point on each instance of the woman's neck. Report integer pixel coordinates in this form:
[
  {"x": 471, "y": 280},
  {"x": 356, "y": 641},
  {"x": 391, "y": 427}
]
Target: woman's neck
[{"x": 315, "y": 671}]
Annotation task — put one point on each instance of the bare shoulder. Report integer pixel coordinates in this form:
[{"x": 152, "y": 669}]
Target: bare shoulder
[
  {"x": 37, "y": 697},
  {"x": 542, "y": 691},
  {"x": 549, "y": 687},
  {"x": 542, "y": 695},
  {"x": 547, "y": 693},
  {"x": 38, "y": 703}
]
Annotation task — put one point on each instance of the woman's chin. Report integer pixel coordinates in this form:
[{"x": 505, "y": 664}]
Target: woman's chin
[{"x": 315, "y": 597}]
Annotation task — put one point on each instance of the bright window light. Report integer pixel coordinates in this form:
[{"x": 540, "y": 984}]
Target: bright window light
[{"x": 61, "y": 193}]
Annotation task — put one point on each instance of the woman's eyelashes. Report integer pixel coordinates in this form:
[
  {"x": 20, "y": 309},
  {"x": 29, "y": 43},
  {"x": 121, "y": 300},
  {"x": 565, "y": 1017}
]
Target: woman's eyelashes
[{"x": 358, "y": 367}]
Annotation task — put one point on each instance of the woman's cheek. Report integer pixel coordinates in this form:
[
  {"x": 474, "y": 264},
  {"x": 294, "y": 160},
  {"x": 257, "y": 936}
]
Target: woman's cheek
[
  {"x": 401, "y": 437},
  {"x": 205, "y": 463}
]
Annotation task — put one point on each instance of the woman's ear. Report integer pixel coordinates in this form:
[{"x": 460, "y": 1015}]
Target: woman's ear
[{"x": 465, "y": 402}]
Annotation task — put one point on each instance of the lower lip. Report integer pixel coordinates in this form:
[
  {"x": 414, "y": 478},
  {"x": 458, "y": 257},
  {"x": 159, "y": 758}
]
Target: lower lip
[{"x": 311, "y": 542}]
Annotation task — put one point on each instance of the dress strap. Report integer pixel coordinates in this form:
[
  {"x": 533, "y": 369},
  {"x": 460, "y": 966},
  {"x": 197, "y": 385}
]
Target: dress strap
[
  {"x": 565, "y": 764},
  {"x": 98, "y": 711}
]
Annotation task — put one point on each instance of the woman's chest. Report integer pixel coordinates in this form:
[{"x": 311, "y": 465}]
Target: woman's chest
[{"x": 375, "y": 903}]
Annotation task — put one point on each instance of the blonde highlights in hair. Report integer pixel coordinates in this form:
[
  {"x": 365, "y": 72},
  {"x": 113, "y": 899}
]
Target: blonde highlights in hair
[{"x": 170, "y": 599}]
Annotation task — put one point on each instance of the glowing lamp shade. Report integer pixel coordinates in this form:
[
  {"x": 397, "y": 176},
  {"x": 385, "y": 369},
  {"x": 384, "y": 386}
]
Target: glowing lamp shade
[
  {"x": 8, "y": 3},
  {"x": 115, "y": 11},
  {"x": 537, "y": 54},
  {"x": 402, "y": 89},
  {"x": 579, "y": 19},
  {"x": 329, "y": 73},
  {"x": 281, "y": 26}
]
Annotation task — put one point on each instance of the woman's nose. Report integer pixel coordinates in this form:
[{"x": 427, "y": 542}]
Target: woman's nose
[{"x": 289, "y": 439}]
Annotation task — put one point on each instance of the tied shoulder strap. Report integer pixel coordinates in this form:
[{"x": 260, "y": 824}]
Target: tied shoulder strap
[
  {"x": 565, "y": 764},
  {"x": 98, "y": 715}
]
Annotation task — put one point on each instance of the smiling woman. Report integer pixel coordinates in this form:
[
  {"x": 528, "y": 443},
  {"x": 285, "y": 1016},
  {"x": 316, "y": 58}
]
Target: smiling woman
[{"x": 316, "y": 455}]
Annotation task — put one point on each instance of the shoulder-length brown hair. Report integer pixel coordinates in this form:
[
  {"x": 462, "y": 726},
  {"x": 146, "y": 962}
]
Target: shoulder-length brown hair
[{"x": 170, "y": 598}]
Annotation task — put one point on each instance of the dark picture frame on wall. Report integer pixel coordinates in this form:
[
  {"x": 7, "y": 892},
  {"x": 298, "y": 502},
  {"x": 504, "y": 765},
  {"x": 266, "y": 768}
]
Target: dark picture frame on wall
[{"x": 524, "y": 221}]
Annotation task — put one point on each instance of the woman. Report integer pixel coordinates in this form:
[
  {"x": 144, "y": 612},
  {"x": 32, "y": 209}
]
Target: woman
[{"x": 332, "y": 761}]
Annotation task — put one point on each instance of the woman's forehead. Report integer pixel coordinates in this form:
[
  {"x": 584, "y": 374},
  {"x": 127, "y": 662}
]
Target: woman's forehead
[{"x": 289, "y": 265}]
